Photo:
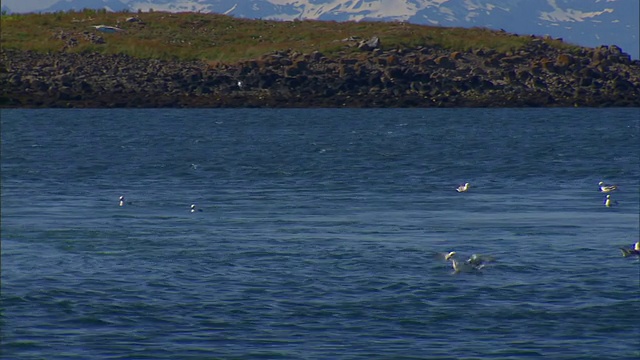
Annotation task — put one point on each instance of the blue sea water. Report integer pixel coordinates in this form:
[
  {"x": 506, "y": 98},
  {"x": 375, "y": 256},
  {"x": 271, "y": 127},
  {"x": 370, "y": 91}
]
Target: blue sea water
[{"x": 321, "y": 234}]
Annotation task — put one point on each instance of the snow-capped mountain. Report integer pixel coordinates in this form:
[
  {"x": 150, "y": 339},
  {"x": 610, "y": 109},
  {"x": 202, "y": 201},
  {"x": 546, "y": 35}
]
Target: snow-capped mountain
[
  {"x": 584, "y": 22},
  {"x": 109, "y": 5}
]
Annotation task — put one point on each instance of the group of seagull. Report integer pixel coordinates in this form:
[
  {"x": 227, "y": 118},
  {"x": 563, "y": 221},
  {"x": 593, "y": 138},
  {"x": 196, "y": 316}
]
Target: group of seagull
[
  {"x": 608, "y": 202},
  {"x": 476, "y": 262},
  {"x": 192, "y": 209}
]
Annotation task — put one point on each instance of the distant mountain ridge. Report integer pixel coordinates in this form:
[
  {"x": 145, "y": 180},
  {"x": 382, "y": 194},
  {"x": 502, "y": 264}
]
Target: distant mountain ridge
[{"x": 584, "y": 22}]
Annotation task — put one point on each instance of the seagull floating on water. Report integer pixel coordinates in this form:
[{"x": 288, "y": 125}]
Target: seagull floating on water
[
  {"x": 193, "y": 208},
  {"x": 122, "y": 200},
  {"x": 107, "y": 29},
  {"x": 631, "y": 252},
  {"x": 609, "y": 202},
  {"x": 479, "y": 261},
  {"x": 463, "y": 188},
  {"x": 607, "y": 188}
]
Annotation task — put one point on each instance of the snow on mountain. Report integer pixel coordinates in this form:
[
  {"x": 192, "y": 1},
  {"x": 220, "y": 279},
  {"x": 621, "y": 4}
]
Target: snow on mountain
[
  {"x": 352, "y": 10},
  {"x": 174, "y": 5},
  {"x": 109, "y": 5},
  {"x": 583, "y": 22}
]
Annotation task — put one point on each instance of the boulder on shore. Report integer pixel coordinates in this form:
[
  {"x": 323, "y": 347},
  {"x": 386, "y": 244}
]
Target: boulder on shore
[{"x": 420, "y": 77}]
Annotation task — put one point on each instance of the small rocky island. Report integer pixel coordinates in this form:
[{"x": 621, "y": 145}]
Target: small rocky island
[{"x": 369, "y": 75}]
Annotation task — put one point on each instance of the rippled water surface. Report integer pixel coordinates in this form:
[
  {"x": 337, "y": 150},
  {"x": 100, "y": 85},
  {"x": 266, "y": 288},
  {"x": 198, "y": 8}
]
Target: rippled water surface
[{"x": 321, "y": 235}]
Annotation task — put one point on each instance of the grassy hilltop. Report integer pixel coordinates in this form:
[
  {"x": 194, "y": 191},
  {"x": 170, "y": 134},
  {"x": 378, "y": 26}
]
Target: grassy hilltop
[
  {"x": 220, "y": 38},
  {"x": 209, "y": 60}
]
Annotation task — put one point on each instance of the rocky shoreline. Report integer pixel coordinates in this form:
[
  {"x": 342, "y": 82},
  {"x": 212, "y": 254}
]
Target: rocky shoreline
[{"x": 537, "y": 76}]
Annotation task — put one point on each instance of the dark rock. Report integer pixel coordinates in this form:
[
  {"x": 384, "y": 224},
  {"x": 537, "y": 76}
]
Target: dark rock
[
  {"x": 426, "y": 77},
  {"x": 512, "y": 59},
  {"x": 444, "y": 62},
  {"x": 371, "y": 44}
]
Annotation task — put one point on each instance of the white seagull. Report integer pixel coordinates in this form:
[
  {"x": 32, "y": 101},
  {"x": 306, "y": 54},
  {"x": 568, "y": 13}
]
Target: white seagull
[
  {"x": 107, "y": 29},
  {"x": 122, "y": 200},
  {"x": 631, "y": 252},
  {"x": 607, "y": 188},
  {"x": 609, "y": 202},
  {"x": 193, "y": 208},
  {"x": 463, "y": 188},
  {"x": 479, "y": 261}
]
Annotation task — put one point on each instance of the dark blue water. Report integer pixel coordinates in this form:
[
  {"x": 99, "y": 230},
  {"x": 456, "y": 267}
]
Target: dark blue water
[{"x": 321, "y": 234}]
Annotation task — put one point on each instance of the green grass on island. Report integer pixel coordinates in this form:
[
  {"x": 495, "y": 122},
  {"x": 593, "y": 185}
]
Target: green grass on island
[{"x": 225, "y": 39}]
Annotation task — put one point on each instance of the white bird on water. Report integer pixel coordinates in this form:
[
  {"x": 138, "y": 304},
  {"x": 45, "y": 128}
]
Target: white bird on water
[
  {"x": 463, "y": 188},
  {"x": 121, "y": 200},
  {"x": 607, "y": 188},
  {"x": 609, "y": 202},
  {"x": 193, "y": 208},
  {"x": 107, "y": 29}
]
